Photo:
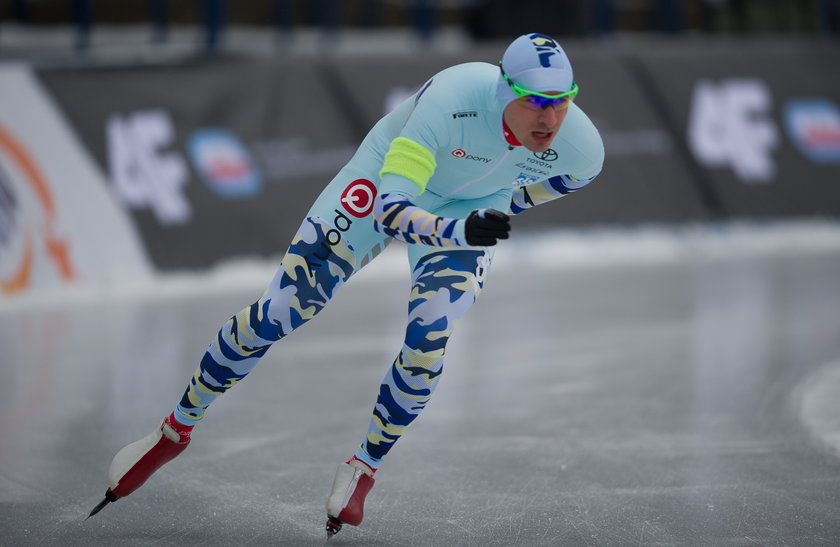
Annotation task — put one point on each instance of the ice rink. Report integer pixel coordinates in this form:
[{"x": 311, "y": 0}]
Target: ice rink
[{"x": 642, "y": 387}]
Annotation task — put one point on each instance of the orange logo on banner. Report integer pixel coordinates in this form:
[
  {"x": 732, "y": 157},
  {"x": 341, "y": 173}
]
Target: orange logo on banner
[{"x": 57, "y": 249}]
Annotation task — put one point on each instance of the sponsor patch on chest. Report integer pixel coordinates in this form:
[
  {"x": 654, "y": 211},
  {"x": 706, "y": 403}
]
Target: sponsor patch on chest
[
  {"x": 468, "y": 114},
  {"x": 524, "y": 179}
]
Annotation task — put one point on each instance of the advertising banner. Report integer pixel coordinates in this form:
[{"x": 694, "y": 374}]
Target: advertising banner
[
  {"x": 762, "y": 124},
  {"x": 213, "y": 160},
  {"x": 59, "y": 225},
  {"x": 221, "y": 158}
]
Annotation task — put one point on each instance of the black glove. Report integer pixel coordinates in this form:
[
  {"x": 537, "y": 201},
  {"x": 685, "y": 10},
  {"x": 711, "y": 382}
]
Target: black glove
[{"x": 485, "y": 226}]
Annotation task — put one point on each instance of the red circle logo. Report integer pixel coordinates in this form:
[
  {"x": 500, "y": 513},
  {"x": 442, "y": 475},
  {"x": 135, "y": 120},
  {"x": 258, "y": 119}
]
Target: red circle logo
[
  {"x": 357, "y": 198},
  {"x": 459, "y": 153}
]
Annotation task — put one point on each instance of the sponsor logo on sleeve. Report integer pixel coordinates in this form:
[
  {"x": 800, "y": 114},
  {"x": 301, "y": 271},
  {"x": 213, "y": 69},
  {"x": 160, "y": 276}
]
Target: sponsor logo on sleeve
[
  {"x": 459, "y": 153},
  {"x": 357, "y": 198},
  {"x": 470, "y": 114}
]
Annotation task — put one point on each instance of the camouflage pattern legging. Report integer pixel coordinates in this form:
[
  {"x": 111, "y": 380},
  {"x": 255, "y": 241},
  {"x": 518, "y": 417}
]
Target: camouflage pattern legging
[{"x": 335, "y": 240}]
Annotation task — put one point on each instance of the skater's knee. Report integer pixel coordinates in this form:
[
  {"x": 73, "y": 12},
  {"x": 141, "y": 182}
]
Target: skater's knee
[
  {"x": 428, "y": 336},
  {"x": 421, "y": 364},
  {"x": 253, "y": 330}
]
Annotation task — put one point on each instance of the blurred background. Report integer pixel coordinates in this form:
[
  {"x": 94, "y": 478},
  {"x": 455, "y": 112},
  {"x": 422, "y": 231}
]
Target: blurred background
[
  {"x": 182, "y": 113},
  {"x": 655, "y": 364},
  {"x": 163, "y": 21}
]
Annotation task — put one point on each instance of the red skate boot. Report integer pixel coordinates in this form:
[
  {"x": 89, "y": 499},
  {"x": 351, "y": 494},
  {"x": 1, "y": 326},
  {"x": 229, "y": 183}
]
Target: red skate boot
[
  {"x": 346, "y": 503},
  {"x": 137, "y": 461}
]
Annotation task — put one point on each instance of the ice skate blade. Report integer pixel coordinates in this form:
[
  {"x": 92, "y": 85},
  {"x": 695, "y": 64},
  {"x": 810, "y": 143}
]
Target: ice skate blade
[
  {"x": 333, "y": 526},
  {"x": 109, "y": 498}
]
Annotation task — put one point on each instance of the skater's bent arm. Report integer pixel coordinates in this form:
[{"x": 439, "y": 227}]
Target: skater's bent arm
[
  {"x": 584, "y": 166},
  {"x": 538, "y": 193},
  {"x": 407, "y": 168},
  {"x": 581, "y": 152},
  {"x": 396, "y": 216}
]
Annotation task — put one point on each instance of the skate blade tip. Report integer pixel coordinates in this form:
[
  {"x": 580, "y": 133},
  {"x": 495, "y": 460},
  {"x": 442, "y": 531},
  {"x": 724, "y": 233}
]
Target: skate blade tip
[
  {"x": 333, "y": 526},
  {"x": 109, "y": 498},
  {"x": 98, "y": 508}
]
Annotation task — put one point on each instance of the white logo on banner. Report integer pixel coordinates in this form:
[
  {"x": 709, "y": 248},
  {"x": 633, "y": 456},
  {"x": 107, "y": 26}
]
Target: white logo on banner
[
  {"x": 728, "y": 126},
  {"x": 141, "y": 172}
]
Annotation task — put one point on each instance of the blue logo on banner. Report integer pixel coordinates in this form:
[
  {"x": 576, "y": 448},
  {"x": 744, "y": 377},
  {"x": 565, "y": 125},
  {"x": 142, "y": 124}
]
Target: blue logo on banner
[
  {"x": 224, "y": 164},
  {"x": 814, "y": 127}
]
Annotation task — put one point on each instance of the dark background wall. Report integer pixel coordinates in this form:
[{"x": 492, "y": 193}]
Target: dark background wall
[
  {"x": 661, "y": 112},
  {"x": 216, "y": 122}
]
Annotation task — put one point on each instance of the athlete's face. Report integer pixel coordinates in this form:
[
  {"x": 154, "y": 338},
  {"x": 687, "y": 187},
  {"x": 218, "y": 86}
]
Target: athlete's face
[{"x": 535, "y": 127}]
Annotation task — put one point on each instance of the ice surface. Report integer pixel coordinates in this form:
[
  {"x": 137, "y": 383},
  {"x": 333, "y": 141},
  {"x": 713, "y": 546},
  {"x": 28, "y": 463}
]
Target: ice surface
[{"x": 644, "y": 386}]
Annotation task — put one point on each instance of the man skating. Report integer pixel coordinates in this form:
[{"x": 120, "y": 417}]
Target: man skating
[{"x": 436, "y": 173}]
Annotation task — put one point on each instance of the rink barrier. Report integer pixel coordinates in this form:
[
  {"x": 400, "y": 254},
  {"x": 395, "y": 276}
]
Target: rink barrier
[{"x": 220, "y": 158}]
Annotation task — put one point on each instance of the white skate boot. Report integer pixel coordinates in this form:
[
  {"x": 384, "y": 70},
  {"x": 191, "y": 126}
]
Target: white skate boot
[
  {"x": 346, "y": 504},
  {"x": 137, "y": 461}
]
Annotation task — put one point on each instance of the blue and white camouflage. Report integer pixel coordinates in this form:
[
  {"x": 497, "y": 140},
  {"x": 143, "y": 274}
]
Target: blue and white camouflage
[{"x": 454, "y": 123}]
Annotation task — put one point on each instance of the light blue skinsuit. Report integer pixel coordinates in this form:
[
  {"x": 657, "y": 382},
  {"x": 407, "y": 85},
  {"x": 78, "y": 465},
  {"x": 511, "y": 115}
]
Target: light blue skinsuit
[{"x": 455, "y": 121}]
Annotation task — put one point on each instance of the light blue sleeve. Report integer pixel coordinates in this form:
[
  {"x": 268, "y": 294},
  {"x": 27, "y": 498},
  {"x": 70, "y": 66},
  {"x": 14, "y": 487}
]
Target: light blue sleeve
[
  {"x": 461, "y": 88},
  {"x": 395, "y": 213}
]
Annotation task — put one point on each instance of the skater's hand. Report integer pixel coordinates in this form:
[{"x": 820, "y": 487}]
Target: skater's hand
[{"x": 484, "y": 226}]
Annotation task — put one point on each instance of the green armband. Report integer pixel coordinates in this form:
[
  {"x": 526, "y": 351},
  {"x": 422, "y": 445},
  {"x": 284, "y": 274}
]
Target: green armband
[{"x": 410, "y": 160}]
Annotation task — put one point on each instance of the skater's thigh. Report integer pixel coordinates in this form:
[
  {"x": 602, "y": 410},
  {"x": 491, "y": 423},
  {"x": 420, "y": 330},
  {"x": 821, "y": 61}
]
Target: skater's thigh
[
  {"x": 335, "y": 240},
  {"x": 446, "y": 282}
]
